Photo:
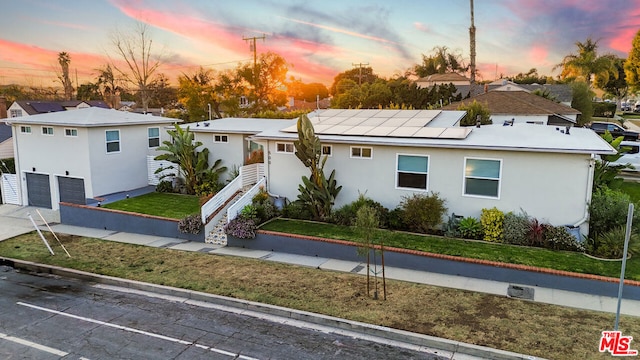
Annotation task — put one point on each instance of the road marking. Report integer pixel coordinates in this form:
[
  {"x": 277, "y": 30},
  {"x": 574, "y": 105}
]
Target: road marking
[
  {"x": 33, "y": 345},
  {"x": 137, "y": 331}
]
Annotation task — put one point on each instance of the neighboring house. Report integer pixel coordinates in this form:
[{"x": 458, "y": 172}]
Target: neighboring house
[
  {"x": 6, "y": 143},
  {"x": 34, "y": 107},
  {"x": 523, "y": 107},
  {"x": 71, "y": 156},
  {"x": 443, "y": 79},
  {"x": 561, "y": 93},
  {"x": 390, "y": 154}
]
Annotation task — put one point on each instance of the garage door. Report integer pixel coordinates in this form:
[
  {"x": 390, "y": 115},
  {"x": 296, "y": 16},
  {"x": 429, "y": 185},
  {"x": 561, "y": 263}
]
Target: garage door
[
  {"x": 38, "y": 190},
  {"x": 71, "y": 190}
]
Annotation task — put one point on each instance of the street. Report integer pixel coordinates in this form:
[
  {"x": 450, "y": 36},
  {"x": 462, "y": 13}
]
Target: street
[{"x": 47, "y": 317}]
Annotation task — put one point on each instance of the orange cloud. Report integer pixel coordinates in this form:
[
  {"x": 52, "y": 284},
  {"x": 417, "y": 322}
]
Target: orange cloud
[{"x": 538, "y": 55}]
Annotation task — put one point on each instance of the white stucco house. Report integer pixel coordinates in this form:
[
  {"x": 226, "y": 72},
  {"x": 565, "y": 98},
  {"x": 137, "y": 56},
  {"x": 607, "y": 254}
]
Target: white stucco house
[
  {"x": 76, "y": 155},
  {"x": 389, "y": 154}
]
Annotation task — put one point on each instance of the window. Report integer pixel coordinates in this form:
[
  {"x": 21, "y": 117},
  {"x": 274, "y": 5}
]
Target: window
[
  {"x": 47, "y": 130},
  {"x": 71, "y": 132},
  {"x": 482, "y": 177},
  {"x": 113, "y": 141},
  {"x": 413, "y": 171},
  {"x": 15, "y": 113},
  {"x": 361, "y": 152},
  {"x": 285, "y": 148},
  {"x": 221, "y": 138},
  {"x": 25, "y": 129},
  {"x": 154, "y": 137},
  {"x": 327, "y": 150}
]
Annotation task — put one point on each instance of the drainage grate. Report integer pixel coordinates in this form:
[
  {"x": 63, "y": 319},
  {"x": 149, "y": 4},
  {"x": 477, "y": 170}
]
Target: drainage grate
[
  {"x": 266, "y": 256},
  {"x": 520, "y": 292},
  {"x": 206, "y": 250},
  {"x": 357, "y": 269}
]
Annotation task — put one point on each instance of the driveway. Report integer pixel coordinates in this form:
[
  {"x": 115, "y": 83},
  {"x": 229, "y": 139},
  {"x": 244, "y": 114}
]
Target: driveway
[{"x": 14, "y": 219}]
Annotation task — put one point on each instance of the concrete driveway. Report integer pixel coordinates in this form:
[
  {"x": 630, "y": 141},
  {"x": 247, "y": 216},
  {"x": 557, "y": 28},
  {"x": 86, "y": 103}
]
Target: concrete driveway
[{"x": 14, "y": 219}]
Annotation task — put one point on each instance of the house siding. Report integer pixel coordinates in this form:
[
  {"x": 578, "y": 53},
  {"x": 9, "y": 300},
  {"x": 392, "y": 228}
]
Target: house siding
[
  {"x": 529, "y": 181},
  {"x": 232, "y": 152}
]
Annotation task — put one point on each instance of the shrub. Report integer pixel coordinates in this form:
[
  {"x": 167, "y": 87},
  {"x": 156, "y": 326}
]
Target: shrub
[
  {"x": 346, "y": 215},
  {"x": 261, "y": 197},
  {"x": 296, "y": 210},
  {"x": 451, "y": 227},
  {"x": 515, "y": 229},
  {"x": 395, "y": 219},
  {"x": 470, "y": 228},
  {"x": 611, "y": 243},
  {"x": 265, "y": 211},
  {"x": 608, "y": 210},
  {"x": 422, "y": 213},
  {"x": 559, "y": 238},
  {"x": 536, "y": 233},
  {"x": 191, "y": 224},
  {"x": 241, "y": 227},
  {"x": 492, "y": 224},
  {"x": 164, "y": 187}
]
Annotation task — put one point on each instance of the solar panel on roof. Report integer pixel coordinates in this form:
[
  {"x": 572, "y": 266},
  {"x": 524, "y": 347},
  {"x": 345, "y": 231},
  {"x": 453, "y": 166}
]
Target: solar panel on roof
[{"x": 45, "y": 107}]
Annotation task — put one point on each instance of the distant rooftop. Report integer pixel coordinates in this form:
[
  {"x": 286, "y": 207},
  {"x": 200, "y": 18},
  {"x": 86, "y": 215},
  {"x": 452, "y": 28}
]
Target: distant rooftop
[{"x": 91, "y": 117}]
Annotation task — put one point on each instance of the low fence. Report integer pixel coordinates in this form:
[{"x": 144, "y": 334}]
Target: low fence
[{"x": 107, "y": 219}]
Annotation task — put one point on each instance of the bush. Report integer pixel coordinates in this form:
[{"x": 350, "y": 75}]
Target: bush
[
  {"x": 395, "y": 219},
  {"x": 536, "y": 233},
  {"x": 559, "y": 238},
  {"x": 265, "y": 211},
  {"x": 241, "y": 227},
  {"x": 451, "y": 229},
  {"x": 347, "y": 214},
  {"x": 191, "y": 224},
  {"x": 492, "y": 224},
  {"x": 261, "y": 197},
  {"x": 164, "y": 187},
  {"x": 422, "y": 213},
  {"x": 604, "y": 109},
  {"x": 515, "y": 229},
  {"x": 470, "y": 228},
  {"x": 610, "y": 245},
  {"x": 296, "y": 210},
  {"x": 607, "y": 211}
]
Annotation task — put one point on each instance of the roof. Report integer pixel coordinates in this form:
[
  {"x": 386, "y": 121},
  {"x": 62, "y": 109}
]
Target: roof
[
  {"x": 519, "y": 137},
  {"x": 517, "y": 102},
  {"x": 239, "y": 125},
  {"x": 447, "y": 77},
  {"x": 5, "y": 132},
  {"x": 92, "y": 117},
  {"x": 33, "y": 107},
  {"x": 560, "y": 92}
]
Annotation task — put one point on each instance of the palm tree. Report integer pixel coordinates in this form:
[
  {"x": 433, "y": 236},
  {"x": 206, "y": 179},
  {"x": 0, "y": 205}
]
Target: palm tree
[
  {"x": 586, "y": 64},
  {"x": 64, "y": 60}
]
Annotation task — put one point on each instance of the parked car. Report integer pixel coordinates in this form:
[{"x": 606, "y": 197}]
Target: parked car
[
  {"x": 631, "y": 157},
  {"x": 616, "y": 130}
]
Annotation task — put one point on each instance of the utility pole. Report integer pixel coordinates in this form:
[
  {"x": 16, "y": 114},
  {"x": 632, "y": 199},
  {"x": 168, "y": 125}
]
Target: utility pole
[
  {"x": 360, "y": 65},
  {"x": 252, "y": 46},
  {"x": 472, "y": 40}
]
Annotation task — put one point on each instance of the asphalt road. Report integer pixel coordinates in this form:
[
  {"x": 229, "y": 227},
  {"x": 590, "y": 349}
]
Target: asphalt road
[{"x": 46, "y": 317}]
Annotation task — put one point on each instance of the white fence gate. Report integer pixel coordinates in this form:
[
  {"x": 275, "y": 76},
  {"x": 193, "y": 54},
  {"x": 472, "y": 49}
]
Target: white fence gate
[
  {"x": 9, "y": 187},
  {"x": 153, "y": 165}
]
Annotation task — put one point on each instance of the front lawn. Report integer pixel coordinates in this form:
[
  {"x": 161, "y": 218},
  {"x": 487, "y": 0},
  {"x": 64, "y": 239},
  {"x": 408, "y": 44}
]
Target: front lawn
[
  {"x": 552, "y": 259},
  {"x": 173, "y": 206}
]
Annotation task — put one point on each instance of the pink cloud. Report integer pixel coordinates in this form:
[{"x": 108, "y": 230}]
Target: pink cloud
[
  {"x": 538, "y": 55},
  {"x": 422, "y": 27}
]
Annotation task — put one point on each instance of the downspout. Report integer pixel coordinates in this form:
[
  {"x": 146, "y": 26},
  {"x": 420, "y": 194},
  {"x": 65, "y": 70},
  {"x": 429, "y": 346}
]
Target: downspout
[{"x": 589, "y": 191}]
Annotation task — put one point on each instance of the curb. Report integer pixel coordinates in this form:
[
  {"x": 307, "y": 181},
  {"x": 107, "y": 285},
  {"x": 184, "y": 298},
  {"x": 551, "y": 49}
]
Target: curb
[{"x": 384, "y": 332}]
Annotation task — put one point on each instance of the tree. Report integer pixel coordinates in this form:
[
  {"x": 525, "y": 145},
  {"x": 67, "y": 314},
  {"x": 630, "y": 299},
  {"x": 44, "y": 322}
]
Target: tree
[
  {"x": 581, "y": 100},
  {"x": 632, "y": 65},
  {"x": 267, "y": 82},
  {"x": 64, "y": 60},
  {"x": 162, "y": 95},
  {"x": 358, "y": 76},
  {"x": 367, "y": 95},
  {"x": 89, "y": 91},
  {"x": 441, "y": 61},
  {"x": 617, "y": 82},
  {"x": 586, "y": 64},
  {"x": 135, "y": 50},
  {"x": 193, "y": 164},
  {"x": 316, "y": 191},
  {"x": 366, "y": 224},
  {"x": 110, "y": 86},
  {"x": 307, "y": 92},
  {"x": 474, "y": 110},
  {"x": 606, "y": 174},
  {"x": 530, "y": 77}
]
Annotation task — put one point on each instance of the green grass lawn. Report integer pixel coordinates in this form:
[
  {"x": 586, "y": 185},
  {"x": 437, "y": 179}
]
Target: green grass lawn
[
  {"x": 552, "y": 259},
  {"x": 174, "y": 206},
  {"x": 632, "y": 189}
]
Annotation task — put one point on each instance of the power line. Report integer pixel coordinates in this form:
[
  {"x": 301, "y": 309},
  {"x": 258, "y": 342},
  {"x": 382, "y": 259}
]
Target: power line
[{"x": 360, "y": 65}]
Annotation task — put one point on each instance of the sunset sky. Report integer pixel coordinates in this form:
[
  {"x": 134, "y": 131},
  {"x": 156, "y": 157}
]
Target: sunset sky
[{"x": 319, "y": 39}]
